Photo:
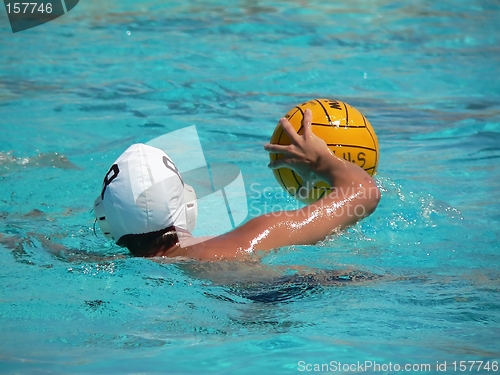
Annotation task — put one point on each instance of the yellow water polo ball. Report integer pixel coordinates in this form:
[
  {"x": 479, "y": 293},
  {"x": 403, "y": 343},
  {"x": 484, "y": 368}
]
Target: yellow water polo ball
[{"x": 348, "y": 134}]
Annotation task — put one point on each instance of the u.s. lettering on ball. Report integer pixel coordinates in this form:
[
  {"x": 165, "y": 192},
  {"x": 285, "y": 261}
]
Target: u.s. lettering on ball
[{"x": 346, "y": 131}]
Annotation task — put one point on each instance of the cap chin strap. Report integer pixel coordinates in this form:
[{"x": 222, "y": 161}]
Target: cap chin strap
[{"x": 191, "y": 212}]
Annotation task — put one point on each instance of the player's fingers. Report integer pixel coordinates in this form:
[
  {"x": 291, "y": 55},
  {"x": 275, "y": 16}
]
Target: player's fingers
[
  {"x": 289, "y": 129},
  {"x": 280, "y": 163},
  {"x": 306, "y": 123},
  {"x": 278, "y": 149}
]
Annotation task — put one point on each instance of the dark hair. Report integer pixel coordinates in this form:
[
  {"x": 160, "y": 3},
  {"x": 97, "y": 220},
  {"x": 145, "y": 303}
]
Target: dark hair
[{"x": 148, "y": 244}]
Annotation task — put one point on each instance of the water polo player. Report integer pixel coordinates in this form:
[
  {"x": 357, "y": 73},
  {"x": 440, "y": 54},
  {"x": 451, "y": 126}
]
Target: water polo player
[{"x": 158, "y": 221}]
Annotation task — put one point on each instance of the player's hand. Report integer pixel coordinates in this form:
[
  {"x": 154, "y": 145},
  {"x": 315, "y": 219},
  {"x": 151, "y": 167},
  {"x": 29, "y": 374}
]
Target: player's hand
[{"x": 304, "y": 155}]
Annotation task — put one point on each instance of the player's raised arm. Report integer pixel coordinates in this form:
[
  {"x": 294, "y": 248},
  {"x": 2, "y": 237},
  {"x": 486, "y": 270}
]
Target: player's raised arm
[
  {"x": 354, "y": 193},
  {"x": 354, "y": 196}
]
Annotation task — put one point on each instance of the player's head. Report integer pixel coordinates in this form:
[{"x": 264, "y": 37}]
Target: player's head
[{"x": 143, "y": 197}]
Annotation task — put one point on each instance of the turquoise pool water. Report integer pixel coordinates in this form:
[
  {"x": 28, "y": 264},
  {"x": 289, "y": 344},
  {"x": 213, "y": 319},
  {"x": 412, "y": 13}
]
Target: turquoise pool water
[{"x": 74, "y": 93}]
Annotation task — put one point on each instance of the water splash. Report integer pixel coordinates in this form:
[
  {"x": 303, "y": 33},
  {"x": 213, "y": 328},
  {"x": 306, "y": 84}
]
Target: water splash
[
  {"x": 9, "y": 162},
  {"x": 404, "y": 209}
]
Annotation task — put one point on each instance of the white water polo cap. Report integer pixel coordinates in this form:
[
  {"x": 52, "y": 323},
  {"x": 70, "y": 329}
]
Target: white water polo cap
[{"x": 143, "y": 192}]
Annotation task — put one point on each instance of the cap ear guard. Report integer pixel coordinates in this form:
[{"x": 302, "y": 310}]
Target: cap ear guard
[
  {"x": 191, "y": 207},
  {"x": 100, "y": 215}
]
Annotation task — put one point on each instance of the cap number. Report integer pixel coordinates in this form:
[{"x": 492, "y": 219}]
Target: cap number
[{"x": 170, "y": 165}]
